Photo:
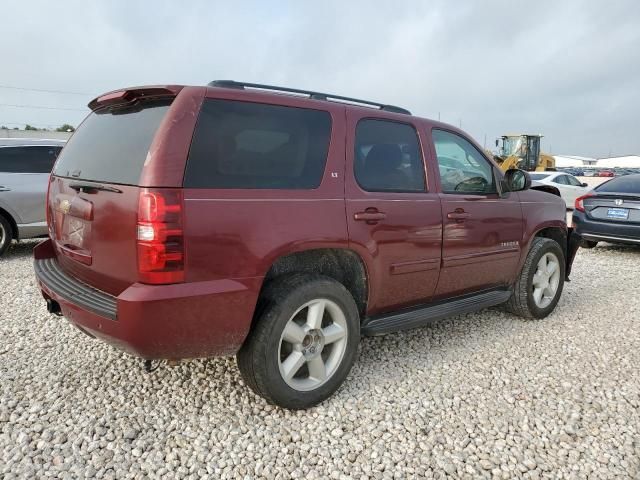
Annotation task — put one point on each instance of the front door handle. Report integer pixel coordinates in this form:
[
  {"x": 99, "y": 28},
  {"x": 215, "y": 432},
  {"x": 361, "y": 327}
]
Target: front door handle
[
  {"x": 370, "y": 215},
  {"x": 4, "y": 189},
  {"x": 459, "y": 215}
]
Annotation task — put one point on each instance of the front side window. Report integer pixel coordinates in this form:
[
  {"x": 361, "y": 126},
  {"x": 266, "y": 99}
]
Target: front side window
[
  {"x": 258, "y": 146},
  {"x": 387, "y": 157},
  {"x": 573, "y": 181},
  {"x": 36, "y": 159},
  {"x": 463, "y": 169},
  {"x": 561, "y": 180}
]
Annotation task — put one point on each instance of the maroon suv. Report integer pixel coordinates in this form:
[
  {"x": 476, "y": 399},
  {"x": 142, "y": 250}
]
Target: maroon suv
[{"x": 280, "y": 225}]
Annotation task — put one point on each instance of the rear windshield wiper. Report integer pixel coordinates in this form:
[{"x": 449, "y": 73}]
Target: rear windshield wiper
[{"x": 92, "y": 188}]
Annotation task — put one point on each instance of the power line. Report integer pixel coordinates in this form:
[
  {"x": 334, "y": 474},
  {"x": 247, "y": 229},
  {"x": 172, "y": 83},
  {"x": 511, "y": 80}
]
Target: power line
[
  {"x": 45, "y": 91},
  {"x": 41, "y": 107}
]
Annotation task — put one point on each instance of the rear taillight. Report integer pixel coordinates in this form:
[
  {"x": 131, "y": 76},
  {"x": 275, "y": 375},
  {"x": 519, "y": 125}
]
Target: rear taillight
[
  {"x": 579, "y": 205},
  {"x": 46, "y": 202},
  {"x": 47, "y": 208},
  {"x": 160, "y": 236}
]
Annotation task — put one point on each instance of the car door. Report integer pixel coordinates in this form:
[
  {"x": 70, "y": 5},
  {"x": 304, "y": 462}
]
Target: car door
[
  {"x": 26, "y": 172},
  {"x": 576, "y": 189},
  {"x": 482, "y": 230},
  {"x": 561, "y": 182},
  {"x": 393, "y": 214}
]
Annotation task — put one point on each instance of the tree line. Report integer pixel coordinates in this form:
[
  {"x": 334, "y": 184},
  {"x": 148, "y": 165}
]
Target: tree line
[{"x": 62, "y": 128}]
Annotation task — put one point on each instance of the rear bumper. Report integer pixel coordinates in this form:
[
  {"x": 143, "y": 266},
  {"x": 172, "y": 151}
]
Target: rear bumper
[
  {"x": 188, "y": 320},
  {"x": 614, "y": 232}
]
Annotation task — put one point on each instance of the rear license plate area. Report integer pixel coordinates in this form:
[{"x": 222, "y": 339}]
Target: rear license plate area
[{"x": 618, "y": 213}]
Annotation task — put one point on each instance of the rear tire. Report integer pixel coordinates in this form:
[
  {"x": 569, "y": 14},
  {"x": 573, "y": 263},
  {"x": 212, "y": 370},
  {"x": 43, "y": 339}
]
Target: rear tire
[
  {"x": 537, "y": 290},
  {"x": 303, "y": 343},
  {"x": 588, "y": 244},
  {"x": 6, "y": 234}
]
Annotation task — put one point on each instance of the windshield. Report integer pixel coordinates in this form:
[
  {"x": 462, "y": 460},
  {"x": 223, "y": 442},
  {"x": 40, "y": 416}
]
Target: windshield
[
  {"x": 112, "y": 145},
  {"x": 538, "y": 176},
  {"x": 513, "y": 146}
]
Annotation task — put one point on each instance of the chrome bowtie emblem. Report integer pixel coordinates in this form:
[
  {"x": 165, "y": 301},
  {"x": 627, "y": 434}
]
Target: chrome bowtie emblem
[
  {"x": 65, "y": 206},
  {"x": 619, "y": 201}
]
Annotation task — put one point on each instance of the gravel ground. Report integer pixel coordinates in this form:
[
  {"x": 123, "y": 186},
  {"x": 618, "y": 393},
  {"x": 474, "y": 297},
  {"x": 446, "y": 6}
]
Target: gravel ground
[{"x": 478, "y": 396}]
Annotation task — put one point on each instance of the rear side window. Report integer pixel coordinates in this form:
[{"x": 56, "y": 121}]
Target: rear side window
[
  {"x": 258, "y": 146},
  {"x": 538, "y": 176},
  {"x": 36, "y": 159},
  {"x": 387, "y": 157},
  {"x": 626, "y": 184},
  {"x": 112, "y": 145}
]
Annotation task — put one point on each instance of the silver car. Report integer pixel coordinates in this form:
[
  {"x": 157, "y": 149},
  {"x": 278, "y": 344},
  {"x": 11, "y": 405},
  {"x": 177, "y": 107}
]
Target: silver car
[{"x": 25, "y": 165}]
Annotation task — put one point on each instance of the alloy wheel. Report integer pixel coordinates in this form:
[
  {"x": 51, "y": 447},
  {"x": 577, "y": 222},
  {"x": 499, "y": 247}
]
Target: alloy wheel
[
  {"x": 546, "y": 280},
  {"x": 312, "y": 344}
]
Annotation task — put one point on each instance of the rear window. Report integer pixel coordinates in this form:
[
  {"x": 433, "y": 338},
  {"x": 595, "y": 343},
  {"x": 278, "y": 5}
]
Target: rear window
[
  {"x": 252, "y": 145},
  {"x": 538, "y": 176},
  {"x": 112, "y": 145},
  {"x": 626, "y": 184},
  {"x": 28, "y": 159}
]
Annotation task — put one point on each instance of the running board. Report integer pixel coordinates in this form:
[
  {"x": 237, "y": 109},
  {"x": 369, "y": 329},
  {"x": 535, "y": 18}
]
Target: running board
[{"x": 420, "y": 316}]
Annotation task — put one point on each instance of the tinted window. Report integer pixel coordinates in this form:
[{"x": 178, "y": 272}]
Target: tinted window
[
  {"x": 253, "y": 145},
  {"x": 387, "y": 157},
  {"x": 463, "y": 169},
  {"x": 538, "y": 176},
  {"x": 38, "y": 159},
  {"x": 626, "y": 184},
  {"x": 561, "y": 180},
  {"x": 111, "y": 146}
]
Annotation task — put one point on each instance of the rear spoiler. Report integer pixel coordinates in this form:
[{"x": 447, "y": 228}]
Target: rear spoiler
[{"x": 129, "y": 96}]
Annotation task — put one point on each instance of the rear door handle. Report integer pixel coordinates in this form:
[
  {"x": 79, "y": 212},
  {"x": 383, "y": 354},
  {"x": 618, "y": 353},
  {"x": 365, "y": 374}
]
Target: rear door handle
[{"x": 370, "y": 215}]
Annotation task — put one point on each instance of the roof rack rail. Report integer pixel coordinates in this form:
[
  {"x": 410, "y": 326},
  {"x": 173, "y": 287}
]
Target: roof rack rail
[{"x": 311, "y": 94}]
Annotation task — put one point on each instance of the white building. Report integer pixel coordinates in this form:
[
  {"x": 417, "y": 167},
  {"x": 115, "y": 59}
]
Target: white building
[
  {"x": 629, "y": 161},
  {"x": 568, "y": 161}
]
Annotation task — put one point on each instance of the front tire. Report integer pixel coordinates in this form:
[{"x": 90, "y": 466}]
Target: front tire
[
  {"x": 303, "y": 343},
  {"x": 537, "y": 290},
  {"x": 6, "y": 234}
]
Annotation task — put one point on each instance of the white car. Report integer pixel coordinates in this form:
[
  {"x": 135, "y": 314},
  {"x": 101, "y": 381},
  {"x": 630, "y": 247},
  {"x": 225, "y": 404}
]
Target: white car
[{"x": 570, "y": 187}]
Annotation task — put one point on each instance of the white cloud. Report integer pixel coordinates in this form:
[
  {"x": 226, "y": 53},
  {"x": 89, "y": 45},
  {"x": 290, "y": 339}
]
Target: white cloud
[{"x": 568, "y": 70}]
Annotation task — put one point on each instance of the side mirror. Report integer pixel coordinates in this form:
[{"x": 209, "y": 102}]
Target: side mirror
[
  {"x": 585, "y": 184},
  {"x": 517, "y": 180}
]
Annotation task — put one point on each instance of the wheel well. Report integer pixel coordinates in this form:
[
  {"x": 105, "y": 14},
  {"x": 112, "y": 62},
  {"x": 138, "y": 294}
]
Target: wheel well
[
  {"x": 9, "y": 218},
  {"x": 344, "y": 266},
  {"x": 557, "y": 235}
]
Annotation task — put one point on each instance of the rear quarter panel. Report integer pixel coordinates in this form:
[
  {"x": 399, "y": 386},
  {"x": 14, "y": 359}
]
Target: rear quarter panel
[{"x": 239, "y": 233}]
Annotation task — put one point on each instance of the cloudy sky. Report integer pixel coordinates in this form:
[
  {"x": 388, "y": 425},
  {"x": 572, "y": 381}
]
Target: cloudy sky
[{"x": 569, "y": 70}]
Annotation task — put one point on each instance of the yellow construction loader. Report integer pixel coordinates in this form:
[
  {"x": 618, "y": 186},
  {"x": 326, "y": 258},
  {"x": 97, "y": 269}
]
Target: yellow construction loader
[{"x": 523, "y": 151}]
